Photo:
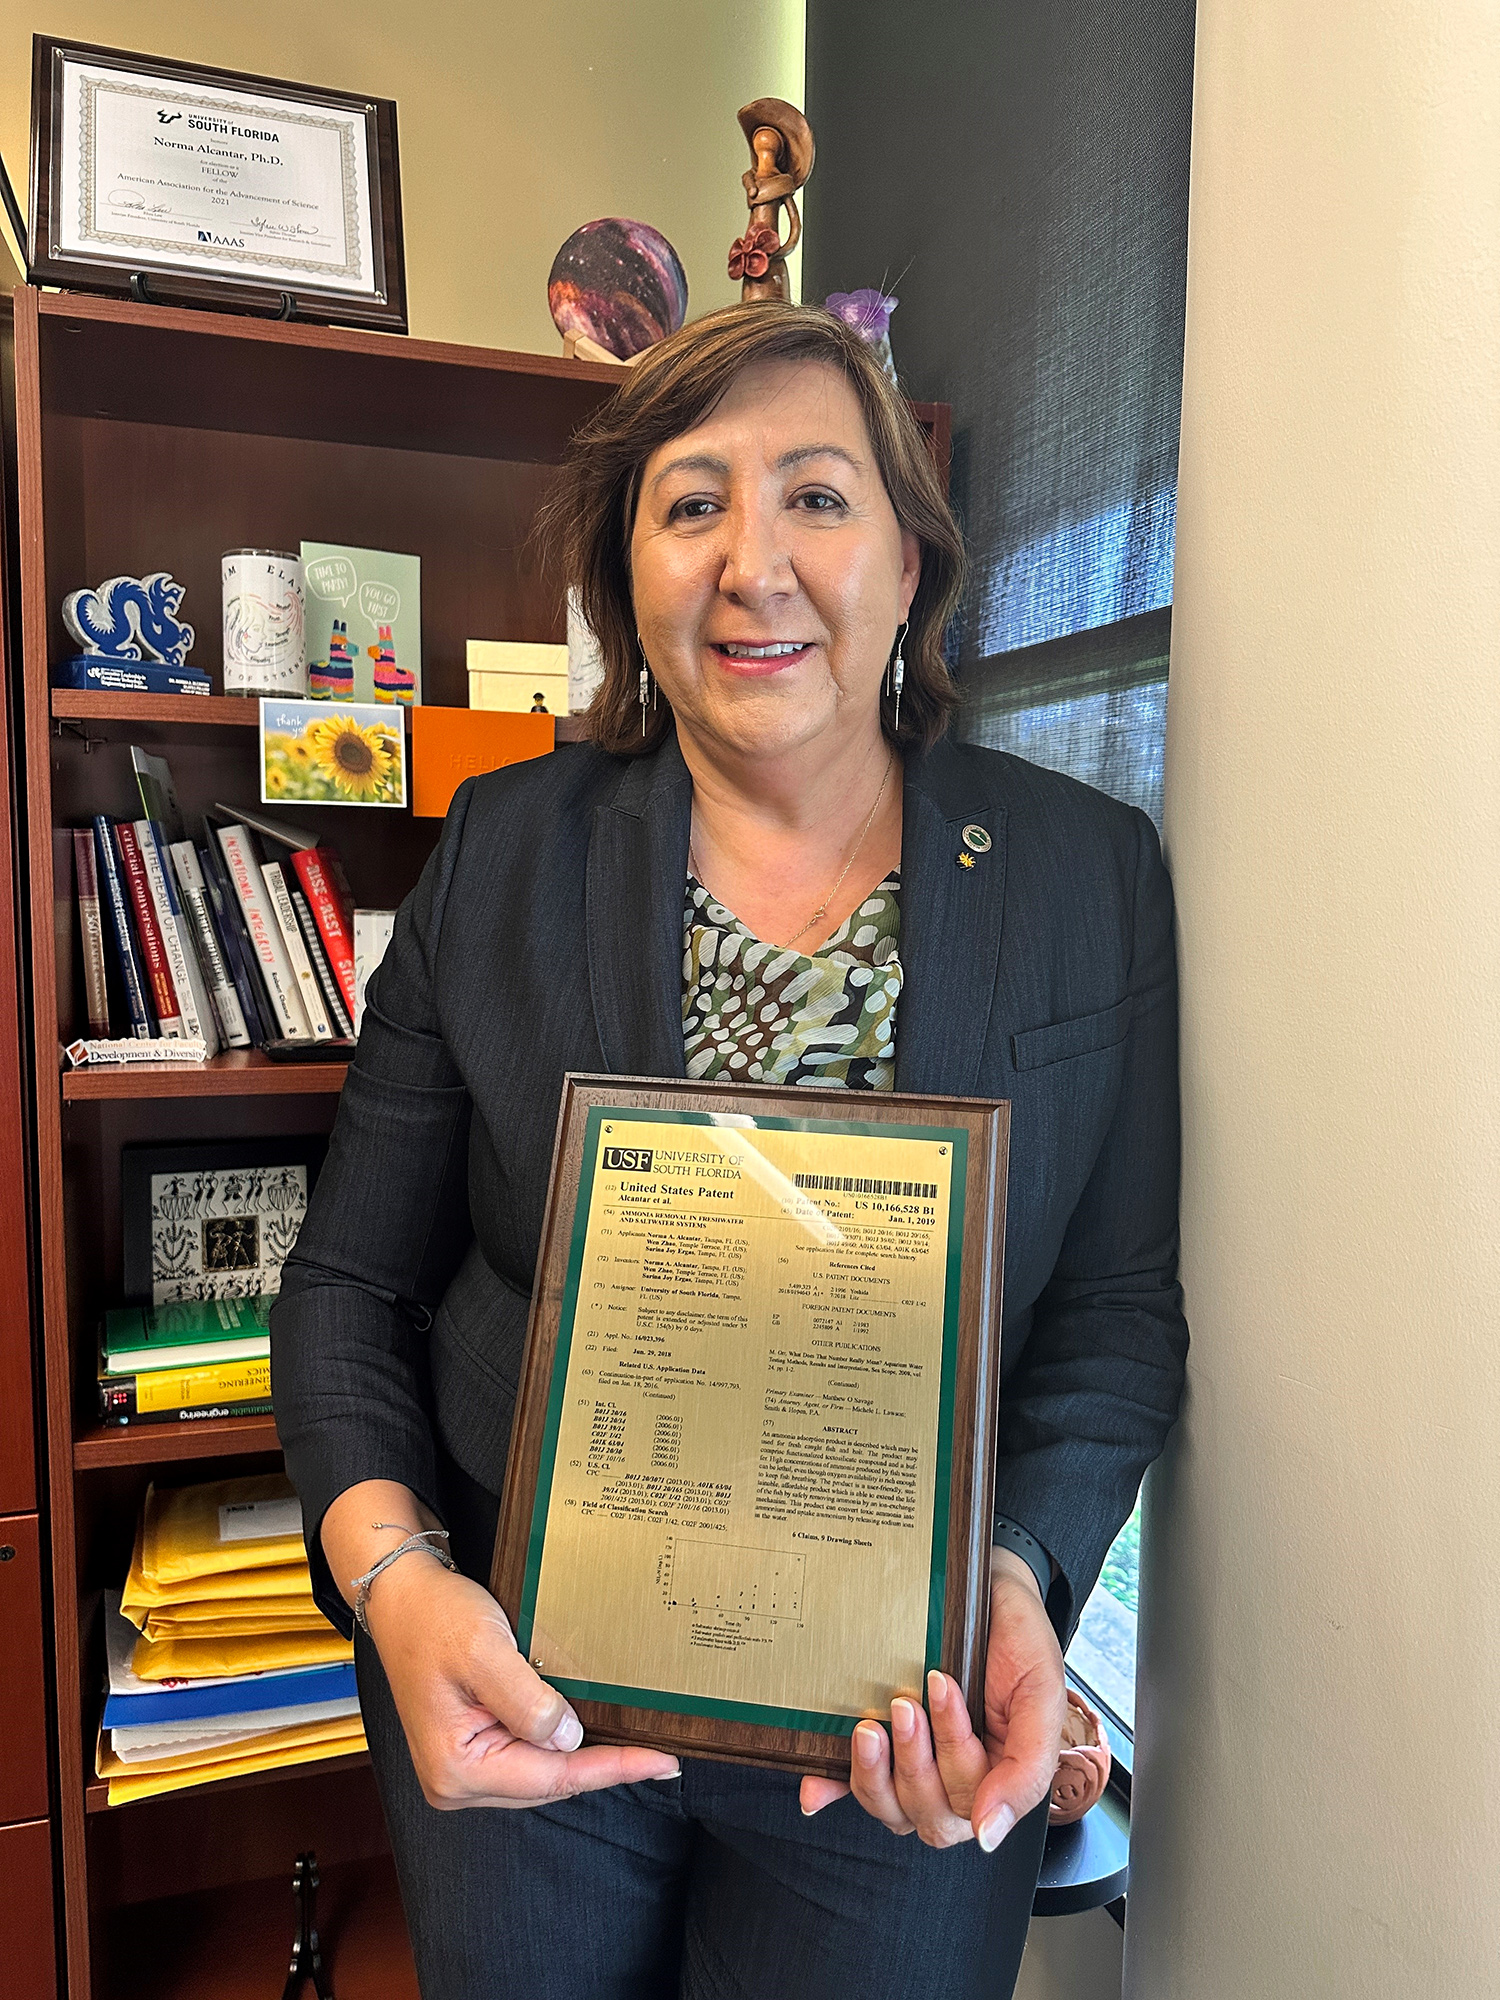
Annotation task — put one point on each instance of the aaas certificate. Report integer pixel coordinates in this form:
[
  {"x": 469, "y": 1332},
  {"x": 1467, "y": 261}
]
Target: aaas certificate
[
  {"x": 742, "y": 1507},
  {"x": 214, "y": 181}
]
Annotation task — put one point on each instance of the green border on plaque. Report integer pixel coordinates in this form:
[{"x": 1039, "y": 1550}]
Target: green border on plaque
[{"x": 687, "y": 1704}]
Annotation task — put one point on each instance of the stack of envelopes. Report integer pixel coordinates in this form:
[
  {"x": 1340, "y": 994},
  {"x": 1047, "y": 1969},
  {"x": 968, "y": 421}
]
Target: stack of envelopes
[{"x": 220, "y": 1663}]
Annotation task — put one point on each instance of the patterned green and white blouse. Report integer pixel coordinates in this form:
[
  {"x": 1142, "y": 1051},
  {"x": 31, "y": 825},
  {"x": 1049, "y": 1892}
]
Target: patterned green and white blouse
[{"x": 762, "y": 1013}]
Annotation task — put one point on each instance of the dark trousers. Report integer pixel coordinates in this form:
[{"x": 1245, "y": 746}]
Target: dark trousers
[{"x": 711, "y": 1886}]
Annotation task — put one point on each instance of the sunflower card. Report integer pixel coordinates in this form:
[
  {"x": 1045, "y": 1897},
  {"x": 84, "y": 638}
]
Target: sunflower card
[{"x": 344, "y": 753}]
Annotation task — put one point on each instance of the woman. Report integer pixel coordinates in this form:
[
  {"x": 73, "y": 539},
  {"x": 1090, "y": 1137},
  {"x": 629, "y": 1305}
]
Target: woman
[{"x": 768, "y": 562}]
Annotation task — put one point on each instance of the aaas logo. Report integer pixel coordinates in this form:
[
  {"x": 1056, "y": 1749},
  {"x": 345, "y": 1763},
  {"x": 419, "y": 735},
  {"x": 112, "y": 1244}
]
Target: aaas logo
[
  {"x": 221, "y": 242},
  {"x": 628, "y": 1159}
]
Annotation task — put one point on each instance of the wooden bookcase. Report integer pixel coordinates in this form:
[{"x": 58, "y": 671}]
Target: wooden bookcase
[
  {"x": 151, "y": 438},
  {"x": 27, "y": 1942},
  {"x": 155, "y": 439}
]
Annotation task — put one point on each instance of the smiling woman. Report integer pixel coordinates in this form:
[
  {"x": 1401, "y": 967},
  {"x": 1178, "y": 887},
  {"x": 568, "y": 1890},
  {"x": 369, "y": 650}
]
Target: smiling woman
[
  {"x": 688, "y": 386},
  {"x": 771, "y": 865}
]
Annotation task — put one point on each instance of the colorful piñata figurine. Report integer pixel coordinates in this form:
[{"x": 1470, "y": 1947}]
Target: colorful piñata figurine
[
  {"x": 392, "y": 683},
  {"x": 333, "y": 679}
]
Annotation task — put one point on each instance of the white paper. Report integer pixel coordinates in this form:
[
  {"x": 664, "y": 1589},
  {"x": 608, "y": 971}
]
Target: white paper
[
  {"x": 372, "y": 934},
  {"x": 213, "y": 180},
  {"x": 258, "y": 1520},
  {"x": 139, "y": 1742}
]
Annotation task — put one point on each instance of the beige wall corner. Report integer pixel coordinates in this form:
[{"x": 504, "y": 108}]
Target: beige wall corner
[
  {"x": 1072, "y": 1958},
  {"x": 517, "y": 122},
  {"x": 1316, "y": 1809}
]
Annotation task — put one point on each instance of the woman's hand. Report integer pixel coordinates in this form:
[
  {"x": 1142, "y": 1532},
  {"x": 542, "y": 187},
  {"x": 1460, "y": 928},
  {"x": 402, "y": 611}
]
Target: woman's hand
[
  {"x": 484, "y": 1728},
  {"x": 946, "y": 1784}
]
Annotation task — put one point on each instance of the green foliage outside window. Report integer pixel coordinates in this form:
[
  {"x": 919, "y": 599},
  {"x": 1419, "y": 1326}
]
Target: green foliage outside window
[{"x": 1122, "y": 1568}]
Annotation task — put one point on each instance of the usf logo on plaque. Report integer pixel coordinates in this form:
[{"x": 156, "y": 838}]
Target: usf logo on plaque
[{"x": 749, "y": 1492}]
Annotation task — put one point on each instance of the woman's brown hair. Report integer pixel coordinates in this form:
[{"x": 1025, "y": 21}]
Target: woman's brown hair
[{"x": 589, "y": 518}]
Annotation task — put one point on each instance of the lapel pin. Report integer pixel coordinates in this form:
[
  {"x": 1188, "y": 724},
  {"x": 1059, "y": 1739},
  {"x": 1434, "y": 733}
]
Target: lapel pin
[
  {"x": 965, "y": 860},
  {"x": 977, "y": 840}
]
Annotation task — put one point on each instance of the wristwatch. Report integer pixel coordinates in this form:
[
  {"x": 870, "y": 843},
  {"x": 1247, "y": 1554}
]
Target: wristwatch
[{"x": 1011, "y": 1535}]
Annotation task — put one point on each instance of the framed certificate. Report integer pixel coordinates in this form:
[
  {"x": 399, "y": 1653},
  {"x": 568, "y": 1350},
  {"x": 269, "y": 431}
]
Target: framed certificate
[
  {"x": 750, "y": 1485},
  {"x": 225, "y": 188}
]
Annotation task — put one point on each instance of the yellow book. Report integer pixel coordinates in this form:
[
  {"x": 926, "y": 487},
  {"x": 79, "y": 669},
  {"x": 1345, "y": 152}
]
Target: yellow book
[
  {"x": 226, "y": 1525},
  {"x": 303, "y": 1743},
  {"x": 189, "y": 1388},
  {"x": 190, "y": 1659}
]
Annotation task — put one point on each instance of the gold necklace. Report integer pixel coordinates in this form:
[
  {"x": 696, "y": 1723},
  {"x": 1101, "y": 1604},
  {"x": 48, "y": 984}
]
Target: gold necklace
[{"x": 822, "y": 910}]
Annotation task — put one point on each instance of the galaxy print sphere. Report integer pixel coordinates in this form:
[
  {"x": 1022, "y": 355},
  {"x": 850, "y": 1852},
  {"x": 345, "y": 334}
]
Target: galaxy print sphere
[{"x": 618, "y": 283}]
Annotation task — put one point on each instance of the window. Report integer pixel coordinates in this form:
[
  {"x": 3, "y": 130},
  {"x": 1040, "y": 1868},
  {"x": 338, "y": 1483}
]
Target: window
[{"x": 1102, "y": 1655}]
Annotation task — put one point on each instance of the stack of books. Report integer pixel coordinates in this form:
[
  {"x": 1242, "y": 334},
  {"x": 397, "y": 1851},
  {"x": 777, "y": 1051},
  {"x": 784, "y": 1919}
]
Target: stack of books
[
  {"x": 182, "y": 1362},
  {"x": 220, "y": 1663},
  {"x": 239, "y": 938}
]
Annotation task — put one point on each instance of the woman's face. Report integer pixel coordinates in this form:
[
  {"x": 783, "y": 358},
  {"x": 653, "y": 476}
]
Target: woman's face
[{"x": 769, "y": 569}]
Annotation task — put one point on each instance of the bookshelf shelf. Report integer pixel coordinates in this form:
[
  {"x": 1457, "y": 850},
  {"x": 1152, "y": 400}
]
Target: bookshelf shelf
[
  {"x": 234, "y": 1073},
  {"x": 232, "y": 1943},
  {"x": 104, "y": 1445},
  {"x": 175, "y": 713},
  {"x": 187, "y": 711},
  {"x": 96, "y": 1791}
]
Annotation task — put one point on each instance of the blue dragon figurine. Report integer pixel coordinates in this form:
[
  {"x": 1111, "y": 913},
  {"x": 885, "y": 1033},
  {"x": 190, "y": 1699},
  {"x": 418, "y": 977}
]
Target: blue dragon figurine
[{"x": 120, "y": 617}]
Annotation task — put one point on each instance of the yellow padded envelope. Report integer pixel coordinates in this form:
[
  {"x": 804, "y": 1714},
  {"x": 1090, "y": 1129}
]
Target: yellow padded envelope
[
  {"x": 288, "y": 1581},
  {"x": 302, "y": 1743},
  {"x": 160, "y": 1625},
  {"x": 226, "y": 1525},
  {"x": 287, "y": 1611},
  {"x": 251, "y": 1653}
]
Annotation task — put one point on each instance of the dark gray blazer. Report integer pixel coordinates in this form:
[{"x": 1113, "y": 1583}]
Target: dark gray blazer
[{"x": 546, "y": 935}]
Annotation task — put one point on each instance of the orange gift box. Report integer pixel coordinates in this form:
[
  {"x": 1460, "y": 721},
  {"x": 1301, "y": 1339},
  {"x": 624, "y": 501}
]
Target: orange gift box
[{"x": 451, "y": 744}]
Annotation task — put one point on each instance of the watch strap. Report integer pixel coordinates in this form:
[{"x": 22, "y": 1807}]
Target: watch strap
[{"x": 1011, "y": 1535}]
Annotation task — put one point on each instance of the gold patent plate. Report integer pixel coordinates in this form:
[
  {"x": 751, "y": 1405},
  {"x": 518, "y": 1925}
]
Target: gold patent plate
[{"x": 749, "y": 1492}]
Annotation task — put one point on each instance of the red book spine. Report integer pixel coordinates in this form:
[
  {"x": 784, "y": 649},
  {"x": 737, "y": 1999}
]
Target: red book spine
[
  {"x": 153, "y": 951},
  {"x": 321, "y": 878}
]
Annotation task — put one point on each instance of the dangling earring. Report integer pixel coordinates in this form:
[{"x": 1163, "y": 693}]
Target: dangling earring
[
  {"x": 648, "y": 693},
  {"x": 896, "y": 673}
]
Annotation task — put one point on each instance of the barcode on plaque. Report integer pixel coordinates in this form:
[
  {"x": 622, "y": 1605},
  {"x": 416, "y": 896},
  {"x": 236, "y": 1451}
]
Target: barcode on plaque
[{"x": 847, "y": 1184}]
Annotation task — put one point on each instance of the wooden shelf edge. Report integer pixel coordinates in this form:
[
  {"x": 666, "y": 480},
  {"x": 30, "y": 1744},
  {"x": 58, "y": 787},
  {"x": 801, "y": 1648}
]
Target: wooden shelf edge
[
  {"x": 238, "y": 1073},
  {"x": 96, "y": 1791},
  {"x": 233, "y": 711},
  {"x": 203, "y": 711},
  {"x": 165, "y": 1444},
  {"x": 375, "y": 345}
]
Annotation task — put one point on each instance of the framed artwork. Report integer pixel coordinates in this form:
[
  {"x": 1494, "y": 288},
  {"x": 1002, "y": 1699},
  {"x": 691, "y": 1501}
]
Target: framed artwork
[
  {"x": 213, "y": 1220},
  {"x": 174, "y": 183}
]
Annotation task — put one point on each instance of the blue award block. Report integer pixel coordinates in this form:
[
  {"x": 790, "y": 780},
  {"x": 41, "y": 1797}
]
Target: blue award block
[{"x": 93, "y": 670}]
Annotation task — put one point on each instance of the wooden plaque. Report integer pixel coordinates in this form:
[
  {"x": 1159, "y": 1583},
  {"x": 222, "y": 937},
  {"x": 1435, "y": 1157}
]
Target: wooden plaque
[{"x": 750, "y": 1485}]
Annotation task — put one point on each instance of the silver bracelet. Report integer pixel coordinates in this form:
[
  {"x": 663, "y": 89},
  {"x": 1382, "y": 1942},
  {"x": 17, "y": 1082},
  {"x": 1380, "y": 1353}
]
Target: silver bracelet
[{"x": 428, "y": 1540}]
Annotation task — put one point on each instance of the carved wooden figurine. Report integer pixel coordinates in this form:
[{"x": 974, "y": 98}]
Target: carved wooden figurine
[
  {"x": 781, "y": 147},
  {"x": 1082, "y": 1764}
]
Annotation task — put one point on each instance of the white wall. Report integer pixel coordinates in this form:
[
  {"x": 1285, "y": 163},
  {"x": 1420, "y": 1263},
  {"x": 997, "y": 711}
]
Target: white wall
[{"x": 1316, "y": 1800}]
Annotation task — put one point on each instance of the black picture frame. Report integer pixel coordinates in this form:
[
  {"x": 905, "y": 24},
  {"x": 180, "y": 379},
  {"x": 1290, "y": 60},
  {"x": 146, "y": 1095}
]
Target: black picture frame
[
  {"x": 139, "y": 1165},
  {"x": 152, "y": 281}
]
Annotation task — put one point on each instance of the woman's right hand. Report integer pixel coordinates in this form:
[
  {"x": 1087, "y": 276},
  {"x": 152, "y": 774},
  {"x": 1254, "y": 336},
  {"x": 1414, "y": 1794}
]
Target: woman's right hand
[{"x": 484, "y": 1728}]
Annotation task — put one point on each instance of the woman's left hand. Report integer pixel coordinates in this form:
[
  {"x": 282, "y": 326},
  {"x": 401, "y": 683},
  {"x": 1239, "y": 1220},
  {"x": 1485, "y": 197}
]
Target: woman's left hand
[{"x": 946, "y": 1784}]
